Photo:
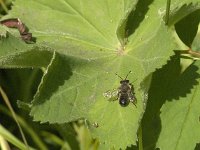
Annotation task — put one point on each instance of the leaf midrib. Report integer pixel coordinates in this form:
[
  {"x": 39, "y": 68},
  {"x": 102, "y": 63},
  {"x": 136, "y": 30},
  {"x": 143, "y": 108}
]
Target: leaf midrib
[
  {"x": 46, "y": 34},
  {"x": 185, "y": 118}
]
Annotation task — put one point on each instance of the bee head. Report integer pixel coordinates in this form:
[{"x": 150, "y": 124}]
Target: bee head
[{"x": 124, "y": 81}]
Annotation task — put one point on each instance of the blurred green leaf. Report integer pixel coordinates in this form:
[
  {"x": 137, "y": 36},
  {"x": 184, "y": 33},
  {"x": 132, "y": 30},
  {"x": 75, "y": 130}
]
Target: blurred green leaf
[
  {"x": 12, "y": 139},
  {"x": 24, "y": 124},
  {"x": 85, "y": 138},
  {"x": 20, "y": 84},
  {"x": 69, "y": 135}
]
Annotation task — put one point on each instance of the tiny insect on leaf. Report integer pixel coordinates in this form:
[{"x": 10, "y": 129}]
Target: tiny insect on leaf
[{"x": 125, "y": 92}]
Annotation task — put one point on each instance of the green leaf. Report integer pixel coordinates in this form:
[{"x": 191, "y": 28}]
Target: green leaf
[
  {"x": 159, "y": 89},
  {"x": 68, "y": 134},
  {"x": 2, "y": 32},
  {"x": 173, "y": 112},
  {"x": 6, "y": 135},
  {"x": 190, "y": 22},
  {"x": 180, "y": 117},
  {"x": 77, "y": 26},
  {"x": 10, "y": 44},
  {"x": 195, "y": 44},
  {"x": 16, "y": 54},
  {"x": 180, "y": 9},
  {"x": 86, "y": 37},
  {"x": 121, "y": 30},
  {"x": 85, "y": 139}
]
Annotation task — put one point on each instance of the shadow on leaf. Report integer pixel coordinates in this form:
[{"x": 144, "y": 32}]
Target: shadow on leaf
[
  {"x": 58, "y": 72},
  {"x": 137, "y": 16},
  {"x": 190, "y": 22},
  {"x": 168, "y": 83}
]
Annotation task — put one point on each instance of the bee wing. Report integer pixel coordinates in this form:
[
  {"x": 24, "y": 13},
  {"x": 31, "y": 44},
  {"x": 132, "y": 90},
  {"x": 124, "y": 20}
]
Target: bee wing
[
  {"x": 110, "y": 93},
  {"x": 132, "y": 98}
]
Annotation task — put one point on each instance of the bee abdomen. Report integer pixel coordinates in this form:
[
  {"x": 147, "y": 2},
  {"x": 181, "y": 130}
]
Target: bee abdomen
[{"x": 123, "y": 100}]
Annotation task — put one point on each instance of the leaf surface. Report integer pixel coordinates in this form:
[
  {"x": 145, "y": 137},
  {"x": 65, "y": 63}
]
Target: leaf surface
[
  {"x": 195, "y": 45},
  {"x": 180, "y": 117},
  {"x": 84, "y": 42},
  {"x": 181, "y": 8},
  {"x": 14, "y": 53}
]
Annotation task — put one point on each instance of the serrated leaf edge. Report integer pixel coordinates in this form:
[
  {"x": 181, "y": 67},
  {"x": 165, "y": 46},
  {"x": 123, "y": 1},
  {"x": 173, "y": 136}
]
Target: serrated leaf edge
[{"x": 173, "y": 11}]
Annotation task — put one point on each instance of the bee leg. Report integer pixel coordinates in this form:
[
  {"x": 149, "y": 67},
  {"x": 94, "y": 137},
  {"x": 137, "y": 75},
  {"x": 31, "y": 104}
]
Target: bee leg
[{"x": 133, "y": 100}]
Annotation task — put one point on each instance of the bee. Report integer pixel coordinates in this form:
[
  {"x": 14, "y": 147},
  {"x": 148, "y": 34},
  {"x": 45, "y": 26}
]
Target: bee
[{"x": 125, "y": 92}]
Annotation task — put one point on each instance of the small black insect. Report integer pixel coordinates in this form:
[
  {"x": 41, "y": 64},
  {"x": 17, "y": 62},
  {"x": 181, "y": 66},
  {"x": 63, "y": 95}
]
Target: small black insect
[{"x": 125, "y": 92}]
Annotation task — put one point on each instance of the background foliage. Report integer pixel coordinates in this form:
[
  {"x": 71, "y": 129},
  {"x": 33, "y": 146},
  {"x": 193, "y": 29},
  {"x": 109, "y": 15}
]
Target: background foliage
[{"x": 56, "y": 84}]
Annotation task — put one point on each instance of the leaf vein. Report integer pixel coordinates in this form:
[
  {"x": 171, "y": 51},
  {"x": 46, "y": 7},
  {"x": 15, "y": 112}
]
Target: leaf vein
[
  {"x": 185, "y": 118},
  {"x": 88, "y": 21},
  {"x": 45, "y": 34}
]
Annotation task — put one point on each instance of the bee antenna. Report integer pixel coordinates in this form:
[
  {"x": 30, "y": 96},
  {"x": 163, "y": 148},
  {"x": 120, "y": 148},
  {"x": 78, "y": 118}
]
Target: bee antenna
[
  {"x": 119, "y": 76},
  {"x": 127, "y": 75},
  {"x": 134, "y": 81}
]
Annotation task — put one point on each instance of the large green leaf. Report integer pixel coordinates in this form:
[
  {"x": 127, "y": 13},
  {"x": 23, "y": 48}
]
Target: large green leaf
[
  {"x": 87, "y": 41},
  {"x": 61, "y": 23}
]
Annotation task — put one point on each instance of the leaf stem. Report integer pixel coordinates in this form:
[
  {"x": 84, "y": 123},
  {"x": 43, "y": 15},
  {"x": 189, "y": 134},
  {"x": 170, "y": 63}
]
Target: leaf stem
[
  {"x": 3, "y": 6},
  {"x": 140, "y": 138},
  {"x": 167, "y": 12},
  {"x": 194, "y": 54},
  {"x": 36, "y": 139},
  {"x": 5, "y": 98},
  {"x": 4, "y": 144}
]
